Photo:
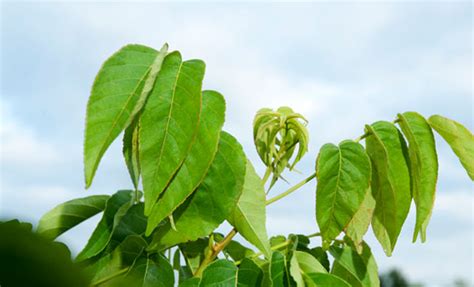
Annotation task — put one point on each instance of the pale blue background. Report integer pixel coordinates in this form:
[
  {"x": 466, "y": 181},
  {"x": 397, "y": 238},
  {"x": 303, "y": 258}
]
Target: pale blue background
[{"x": 341, "y": 65}]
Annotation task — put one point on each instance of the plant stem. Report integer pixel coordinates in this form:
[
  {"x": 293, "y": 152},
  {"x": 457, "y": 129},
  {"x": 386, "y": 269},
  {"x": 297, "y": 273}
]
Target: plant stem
[
  {"x": 362, "y": 137},
  {"x": 314, "y": 235},
  {"x": 105, "y": 279},
  {"x": 214, "y": 251},
  {"x": 291, "y": 189},
  {"x": 267, "y": 174}
]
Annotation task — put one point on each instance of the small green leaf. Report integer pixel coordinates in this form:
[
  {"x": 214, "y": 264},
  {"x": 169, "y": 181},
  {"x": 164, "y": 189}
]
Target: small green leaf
[
  {"x": 115, "y": 208},
  {"x": 148, "y": 273},
  {"x": 423, "y": 167},
  {"x": 459, "y": 138},
  {"x": 321, "y": 255},
  {"x": 278, "y": 270},
  {"x": 249, "y": 274},
  {"x": 198, "y": 161},
  {"x": 360, "y": 270},
  {"x": 390, "y": 182},
  {"x": 118, "y": 94},
  {"x": 131, "y": 149},
  {"x": 212, "y": 202},
  {"x": 237, "y": 251},
  {"x": 359, "y": 224},
  {"x": 69, "y": 214},
  {"x": 249, "y": 216},
  {"x": 303, "y": 263},
  {"x": 222, "y": 273},
  {"x": 194, "y": 252},
  {"x": 343, "y": 174},
  {"x": 169, "y": 123},
  {"x": 323, "y": 280}
]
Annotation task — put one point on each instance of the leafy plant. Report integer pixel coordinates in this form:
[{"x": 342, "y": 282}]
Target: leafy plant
[{"x": 196, "y": 176}]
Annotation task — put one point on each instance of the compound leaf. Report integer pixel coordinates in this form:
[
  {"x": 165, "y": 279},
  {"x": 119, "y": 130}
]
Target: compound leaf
[
  {"x": 390, "y": 182},
  {"x": 69, "y": 214},
  {"x": 249, "y": 216},
  {"x": 343, "y": 174},
  {"x": 423, "y": 167},
  {"x": 459, "y": 138},
  {"x": 197, "y": 163},
  {"x": 169, "y": 123}
]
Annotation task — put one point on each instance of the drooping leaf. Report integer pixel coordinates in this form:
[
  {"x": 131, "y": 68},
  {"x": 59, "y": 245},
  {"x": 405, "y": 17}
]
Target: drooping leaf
[
  {"x": 343, "y": 174},
  {"x": 359, "y": 224},
  {"x": 169, "y": 123},
  {"x": 278, "y": 270},
  {"x": 212, "y": 202},
  {"x": 390, "y": 182},
  {"x": 360, "y": 270},
  {"x": 423, "y": 167},
  {"x": 303, "y": 263},
  {"x": 69, "y": 214},
  {"x": 249, "y": 274},
  {"x": 131, "y": 150},
  {"x": 148, "y": 273},
  {"x": 197, "y": 162},
  {"x": 459, "y": 138},
  {"x": 115, "y": 208},
  {"x": 118, "y": 94},
  {"x": 222, "y": 273},
  {"x": 323, "y": 280},
  {"x": 249, "y": 216}
]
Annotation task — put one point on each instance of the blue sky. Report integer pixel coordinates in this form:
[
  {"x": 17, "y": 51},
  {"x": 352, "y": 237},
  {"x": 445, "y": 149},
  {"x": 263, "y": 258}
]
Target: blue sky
[{"x": 342, "y": 65}]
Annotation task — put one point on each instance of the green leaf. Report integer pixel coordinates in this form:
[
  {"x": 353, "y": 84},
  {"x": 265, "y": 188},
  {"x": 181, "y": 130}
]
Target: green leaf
[
  {"x": 459, "y": 138},
  {"x": 191, "y": 282},
  {"x": 320, "y": 254},
  {"x": 197, "y": 163},
  {"x": 237, "y": 251},
  {"x": 115, "y": 208},
  {"x": 278, "y": 270},
  {"x": 131, "y": 149},
  {"x": 343, "y": 174},
  {"x": 359, "y": 224},
  {"x": 249, "y": 274},
  {"x": 304, "y": 263},
  {"x": 133, "y": 222},
  {"x": 249, "y": 216},
  {"x": 194, "y": 252},
  {"x": 118, "y": 94},
  {"x": 222, "y": 273},
  {"x": 212, "y": 202},
  {"x": 69, "y": 214},
  {"x": 423, "y": 167},
  {"x": 390, "y": 182},
  {"x": 148, "y": 273},
  {"x": 169, "y": 123},
  {"x": 358, "y": 270},
  {"x": 323, "y": 280}
]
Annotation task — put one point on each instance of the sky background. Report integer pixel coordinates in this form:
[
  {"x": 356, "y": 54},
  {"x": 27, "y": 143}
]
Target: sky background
[{"x": 342, "y": 65}]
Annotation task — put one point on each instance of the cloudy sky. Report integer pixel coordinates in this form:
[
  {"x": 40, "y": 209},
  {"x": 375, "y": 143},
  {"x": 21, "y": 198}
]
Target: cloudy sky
[{"x": 341, "y": 65}]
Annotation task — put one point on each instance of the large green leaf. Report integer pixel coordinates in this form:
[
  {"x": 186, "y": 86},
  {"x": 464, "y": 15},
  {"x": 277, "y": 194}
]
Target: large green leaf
[
  {"x": 249, "y": 216},
  {"x": 324, "y": 280},
  {"x": 423, "y": 167},
  {"x": 169, "y": 123},
  {"x": 212, "y": 202},
  {"x": 301, "y": 264},
  {"x": 459, "y": 138},
  {"x": 148, "y": 273},
  {"x": 69, "y": 214},
  {"x": 360, "y": 270},
  {"x": 118, "y": 94},
  {"x": 197, "y": 163},
  {"x": 359, "y": 224},
  {"x": 343, "y": 174},
  {"x": 115, "y": 209},
  {"x": 390, "y": 182},
  {"x": 220, "y": 273},
  {"x": 249, "y": 274}
]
